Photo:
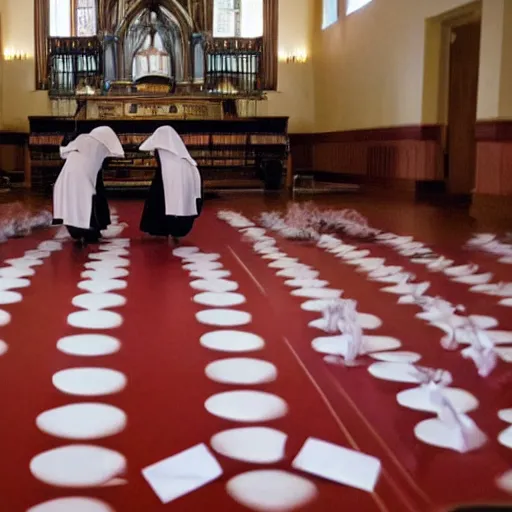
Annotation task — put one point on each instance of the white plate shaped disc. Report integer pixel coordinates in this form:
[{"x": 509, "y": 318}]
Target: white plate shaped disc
[
  {"x": 23, "y": 262},
  {"x": 397, "y": 356},
  {"x": 284, "y": 263},
  {"x": 97, "y": 301},
  {"x": 246, "y": 406},
  {"x": 306, "y": 283},
  {"x": 3, "y": 347},
  {"x": 254, "y": 445},
  {"x": 268, "y": 249},
  {"x": 315, "y": 305},
  {"x": 201, "y": 256},
  {"x": 11, "y": 283},
  {"x": 354, "y": 255},
  {"x": 497, "y": 337},
  {"x": 223, "y": 317},
  {"x": 16, "y": 272},
  {"x": 271, "y": 490},
  {"x": 9, "y": 297},
  {"x": 232, "y": 341},
  {"x": 505, "y": 437},
  {"x": 220, "y": 300},
  {"x": 200, "y": 266},
  {"x": 505, "y": 415},
  {"x": 108, "y": 255},
  {"x": 184, "y": 252},
  {"x": 337, "y": 345},
  {"x": 298, "y": 272},
  {"x": 394, "y": 372},
  {"x": 419, "y": 399},
  {"x": 210, "y": 274},
  {"x": 89, "y": 345},
  {"x": 365, "y": 320},
  {"x": 112, "y": 263},
  {"x": 274, "y": 256},
  {"x": 96, "y": 319},
  {"x": 318, "y": 293},
  {"x": 104, "y": 274},
  {"x": 244, "y": 371},
  {"x": 102, "y": 285},
  {"x": 5, "y": 317},
  {"x": 214, "y": 285},
  {"x": 74, "y": 504},
  {"x": 78, "y": 465},
  {"x": 89, "y": 381},
  {"x": 50, "y": 245},
  {"x": 82, "y": 421}
]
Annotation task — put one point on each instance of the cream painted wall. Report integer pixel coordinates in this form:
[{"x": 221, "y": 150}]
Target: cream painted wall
[
  {"x": 369, "y": 67},
  {"x": 295, "y": 88}
]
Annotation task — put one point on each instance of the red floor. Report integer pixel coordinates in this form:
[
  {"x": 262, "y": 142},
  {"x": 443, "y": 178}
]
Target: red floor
[{"x": 164, "y": 363}]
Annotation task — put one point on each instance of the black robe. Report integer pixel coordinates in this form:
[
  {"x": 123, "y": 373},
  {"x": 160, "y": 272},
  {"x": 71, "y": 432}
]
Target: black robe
[{"x": 154, "y": 221}]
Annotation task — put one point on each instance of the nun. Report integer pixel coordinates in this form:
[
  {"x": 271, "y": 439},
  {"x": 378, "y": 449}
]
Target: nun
[
  {"x": 175, "y": 197},
  {"x": 79, "y": 200}
]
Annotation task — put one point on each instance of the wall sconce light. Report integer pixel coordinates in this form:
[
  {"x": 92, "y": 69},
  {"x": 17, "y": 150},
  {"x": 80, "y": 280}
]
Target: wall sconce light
[
  {"x": 299, "y": 56},
  {"x": 11, "y": 54}
]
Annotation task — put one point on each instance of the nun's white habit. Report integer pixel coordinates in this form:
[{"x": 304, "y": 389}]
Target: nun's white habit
[
  {"x": 175, "y": 197},
  {"x": 79, "y": 201}
]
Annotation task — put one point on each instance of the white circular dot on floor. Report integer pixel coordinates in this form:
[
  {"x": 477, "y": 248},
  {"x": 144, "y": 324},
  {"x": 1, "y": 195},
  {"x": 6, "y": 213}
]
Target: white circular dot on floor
[
  {"x": 302, "y": 272},
  {"x": 108, "y": 255},
  {"x": 102, "y": 285},
  {"x": 504, "y": 482},
  {"x": 271, "y": 490},
  {"x": 8, "y": 297},
  {"x": 505, "y": 437},
  {"x": 98, "y": 319},
  {"x": 72, "y": 504},
  {"x": 82, "y": 421},
  {"x": 355, "y": 255},
  {"x": 255, "y": 445},
  {"x": 8, "y": 283},
  {"x": 246, "y": 406},
  {"x": 232, "y": 341},
  {"x": 77, "y": 465},
  {"x": 89, "y": 345},
  {"x": 274, "y": 256},
  {"x": 104, "y": 273},
  {"x": 115, "y": 243},
  {"x": 242, "y": 371},
  {"x": 284, "y": 263},
  {"x": 16, "y": 272},
  {"x": 96, "y": 301},
  {"x": 214, "y": 285},
  {"x": 267, "y": 249},
  {"x": 3, "y": 347},
  {"x": 216, "y": 299},
  {"x": 397, "y": 356},
  {"x": 419, "y": 399},
  {"x": 89, "y": 381},
  {"x": 210, "y": 274},
  {"x": 315, "y": 305},
  {"x": 306, "y": 283},
  {"x": 255, "y": 232},
  {"x": 201, "y": 257},
  {"x": 395, "y": 372},
  {"x": 50, "y": 245},
  {"x": 203, "y": 265},
  {"x": 365, "y": 320},
  {"x": 5, "y": 317},
  {"x": 184, "y": 252},
  {"x": 23, "y": 262},
  {"x": 223, "y": 317},
  {"x": 317, "y": 293},
  {"x": 369, "y": 264},
  {"x": 36, "y": 255},
  {"x": 505, "y": 415}
]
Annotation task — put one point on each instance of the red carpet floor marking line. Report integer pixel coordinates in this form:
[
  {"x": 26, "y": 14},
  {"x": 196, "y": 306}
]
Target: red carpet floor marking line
[
  {"x": 249, "y": 273},
  {"x": 343, "y": 428}
]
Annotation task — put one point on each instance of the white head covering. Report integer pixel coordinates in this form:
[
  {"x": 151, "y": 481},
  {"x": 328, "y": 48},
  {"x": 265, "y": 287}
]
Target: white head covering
[
  {"x": 181, "y": 179},
  {"x": 104, "y": 135},
  {"x": 167, "y": 138}
]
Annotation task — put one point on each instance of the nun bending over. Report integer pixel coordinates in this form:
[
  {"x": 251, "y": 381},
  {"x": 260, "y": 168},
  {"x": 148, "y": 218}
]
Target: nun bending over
[
  {"x": 79, "y": 200},
  {"x": 175, "y": 199}
]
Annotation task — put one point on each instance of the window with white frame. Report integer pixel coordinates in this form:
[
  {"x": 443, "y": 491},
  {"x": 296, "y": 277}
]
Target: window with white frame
[
  {"x": 72, "y": 18},
  {"x": 238, "y": 18},
  {"x": 329, "y": 13},
  {"x": 355, "y": 5}
]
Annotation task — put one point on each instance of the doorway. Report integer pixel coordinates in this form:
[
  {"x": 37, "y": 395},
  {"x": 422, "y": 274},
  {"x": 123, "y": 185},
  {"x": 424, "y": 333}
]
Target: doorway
[{"x": 464, "y": 60}]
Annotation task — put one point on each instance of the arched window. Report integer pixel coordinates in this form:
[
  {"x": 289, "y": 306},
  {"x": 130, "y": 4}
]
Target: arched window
[
  {"x": 238, "y": 18},
  {"x": 72, "y": 18}
]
